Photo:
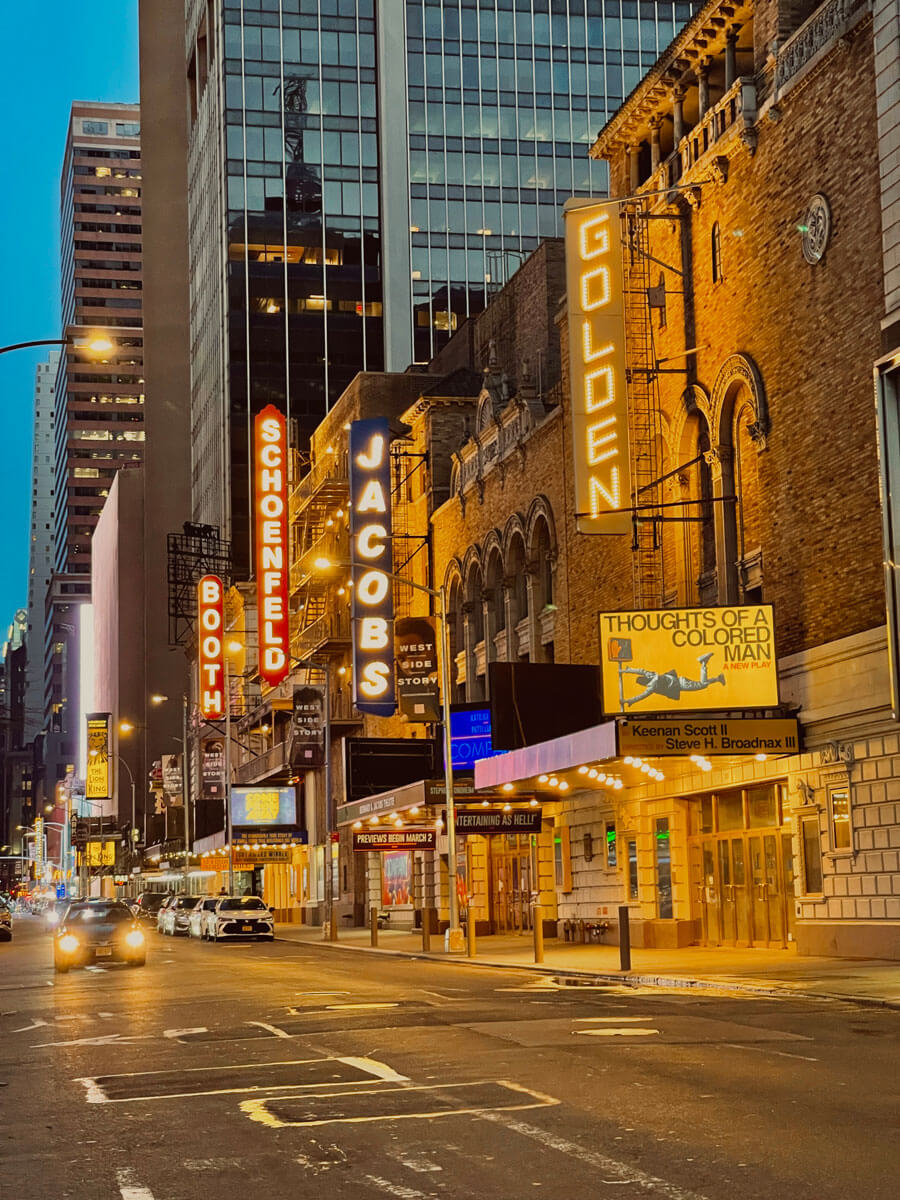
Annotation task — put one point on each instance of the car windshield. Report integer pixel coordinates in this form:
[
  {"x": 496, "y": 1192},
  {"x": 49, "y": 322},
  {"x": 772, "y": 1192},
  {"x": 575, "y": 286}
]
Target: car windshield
[
  {"x": 152, "y": 901},
  {"x": 99, "y": 912},
  {"x": 185, "y": 902},
  {"x": 242, "y": 903}
]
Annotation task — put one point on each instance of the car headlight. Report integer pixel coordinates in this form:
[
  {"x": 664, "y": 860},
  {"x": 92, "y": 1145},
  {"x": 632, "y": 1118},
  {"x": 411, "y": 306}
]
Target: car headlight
[
  {"x": 68, "y": 943},
  {"x": 135, "y": 938}
]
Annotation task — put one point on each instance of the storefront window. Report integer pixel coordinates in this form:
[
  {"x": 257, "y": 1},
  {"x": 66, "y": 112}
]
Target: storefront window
[
  {"x": 812, "y": 855},
  {"x": 839, "y": 812},
  {"x": 663, "y": 868},
  {"x": 562, "y": 859},
  {"x": 706, "y": 814},
  {"x": 762, "y": 809},
  {"x": 610, "y": 844},
  {"x": 731, "y": 811}
]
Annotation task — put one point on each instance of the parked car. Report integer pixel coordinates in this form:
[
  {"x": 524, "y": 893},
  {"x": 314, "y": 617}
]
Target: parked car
[
  {"x": 98, "y": 930},
  {"x": 198, "y": 925},
  {"x": 174, "y": 915},
  {"x": 146, "y": 907},
  {"x": 5, "y": 921},
  {"x": 240, "y": 917}
]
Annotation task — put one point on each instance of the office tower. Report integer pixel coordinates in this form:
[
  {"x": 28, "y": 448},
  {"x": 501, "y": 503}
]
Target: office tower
[
  {"x": 40, "y": 566},
  {"x": 98, "y": 400},
  {"x": 362, "y": 177}
]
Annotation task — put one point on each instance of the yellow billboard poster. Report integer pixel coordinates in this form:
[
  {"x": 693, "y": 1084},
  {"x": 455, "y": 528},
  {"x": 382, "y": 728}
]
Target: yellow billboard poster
[
  {"x": 98, "y": 780},
  {"x": 596, "y": 305},
  {"x": 689, "y": 659}
]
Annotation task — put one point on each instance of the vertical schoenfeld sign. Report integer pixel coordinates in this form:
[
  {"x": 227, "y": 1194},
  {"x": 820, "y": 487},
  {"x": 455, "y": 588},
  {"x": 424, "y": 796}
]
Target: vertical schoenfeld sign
[
  {"x": 270, "y": 470},
  {"x": 372, "y": 608},
  {"x": 595, "y": 300}
]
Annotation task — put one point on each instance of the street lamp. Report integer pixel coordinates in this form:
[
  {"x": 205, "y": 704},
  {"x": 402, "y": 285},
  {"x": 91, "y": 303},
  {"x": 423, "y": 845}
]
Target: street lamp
[
  {"x": 98, "y": 344},
  {"x": 323, "y": 564}
]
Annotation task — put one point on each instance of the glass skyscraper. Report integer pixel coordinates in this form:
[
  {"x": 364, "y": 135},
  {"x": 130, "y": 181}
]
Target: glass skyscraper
[{"x": 362, "y": 176}]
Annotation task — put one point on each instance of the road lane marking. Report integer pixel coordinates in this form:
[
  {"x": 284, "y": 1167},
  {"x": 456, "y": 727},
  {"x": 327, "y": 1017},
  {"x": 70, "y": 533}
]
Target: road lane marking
[
  {"x": 766, "y": 1050},
  {"x": 397, "y": 1189},
  {"x": 377, "y": 1073},
  {"x": 109, "y": 1040},
  {"x": 415, "y": 1162},
  {"x": 36, "y": 1023},
  {"x": 619, "y": 1172},
  {"x": 178, "y": 1033},
  {"x": 630, "y": 1031},
  {"x": 129, "y": 1189},
  {"x": 347, "y": 1007},
  {"x": 259, "y": 1109},
  {"x": 585, "y": 1020},
  {"x": 273, "y": 1029},
  {"x": 321, "y": 993}
]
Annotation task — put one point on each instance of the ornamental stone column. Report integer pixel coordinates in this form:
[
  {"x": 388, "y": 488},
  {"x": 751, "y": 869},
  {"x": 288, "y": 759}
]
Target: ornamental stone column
[
  {"x": 720, "y": 461},
  {"x": 655, "y": 123},
  {"x": 731, "y": 38}
]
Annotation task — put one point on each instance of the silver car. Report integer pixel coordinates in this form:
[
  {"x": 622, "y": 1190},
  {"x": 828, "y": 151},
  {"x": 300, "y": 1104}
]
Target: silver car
[
  {"x": 5, "y": 922},
  {"x": 174, "y": 915},
  {"x": 240, "y": 917}
]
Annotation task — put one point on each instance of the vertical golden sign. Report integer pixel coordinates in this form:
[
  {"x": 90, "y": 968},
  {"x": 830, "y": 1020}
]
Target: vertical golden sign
[{"x": 594, "y": 286}]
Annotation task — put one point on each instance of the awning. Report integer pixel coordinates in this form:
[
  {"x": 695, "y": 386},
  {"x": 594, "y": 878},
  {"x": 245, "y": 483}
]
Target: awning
[{"x": 596, "y": 744}]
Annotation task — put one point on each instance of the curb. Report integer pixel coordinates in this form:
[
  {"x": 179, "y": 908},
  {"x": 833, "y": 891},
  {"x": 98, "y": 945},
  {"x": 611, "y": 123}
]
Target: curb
[{"x": 674, "y": 982}]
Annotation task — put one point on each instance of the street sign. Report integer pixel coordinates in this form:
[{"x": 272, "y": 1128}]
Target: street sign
[
  {"x": 487, "y": 821},
  {"x": 706, "y": 736},
  {"x": 383, "y": 840}
]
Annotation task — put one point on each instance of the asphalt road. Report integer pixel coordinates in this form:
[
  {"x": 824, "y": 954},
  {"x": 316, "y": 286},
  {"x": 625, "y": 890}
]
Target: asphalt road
[{"x": 282, "y": 1070}]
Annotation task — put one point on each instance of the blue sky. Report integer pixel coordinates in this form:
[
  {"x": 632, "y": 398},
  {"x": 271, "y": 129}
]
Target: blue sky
[{"x": 51, "y": 53}]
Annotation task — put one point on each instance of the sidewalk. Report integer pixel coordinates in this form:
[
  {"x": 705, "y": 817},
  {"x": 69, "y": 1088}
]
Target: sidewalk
[{"x": 760, "y": 972}]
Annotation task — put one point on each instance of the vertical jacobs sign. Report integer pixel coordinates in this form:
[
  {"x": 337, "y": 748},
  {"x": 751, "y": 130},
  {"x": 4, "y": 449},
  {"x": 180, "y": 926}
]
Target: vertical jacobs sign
[
  {"x": 594, "y": 291},
  {"x": 270, "y": 469},
  {"x": 210, "y": 656},
  {"x": 372, "y": 558}
]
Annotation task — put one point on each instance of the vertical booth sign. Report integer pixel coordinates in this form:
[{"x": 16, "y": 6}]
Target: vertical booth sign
[
  {"x": 270, "y": 473},
  {"x": 210, "y": 656},
  {"x": 372, "y": 608},
  {"x": 595, "y": 299}
]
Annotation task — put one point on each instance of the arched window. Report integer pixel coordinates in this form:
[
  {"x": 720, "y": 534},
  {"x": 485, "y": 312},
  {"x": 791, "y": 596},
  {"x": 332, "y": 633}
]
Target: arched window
[
  {"x": 515, "y": 572},
  {"x": 474, "y": 611},
  {"x": 455, "y": 634},
  {"x": 718, "y": 273},
  {"x": 496, "y": 615}
]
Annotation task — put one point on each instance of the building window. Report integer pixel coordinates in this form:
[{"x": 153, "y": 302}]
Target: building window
[
  {"x": 664, "y": 868},
  {"x": 611, "y": 844},
  {"x": 632, "y": 870},
  {"x": 716, "y": 254},
  {"x": 100, "y": 128},
  {"x": 839, "y": 819},
  {"x": 811, "y": 848},
  {"x": 562, "y": 859},
  {"x": 127, "y": 128}
]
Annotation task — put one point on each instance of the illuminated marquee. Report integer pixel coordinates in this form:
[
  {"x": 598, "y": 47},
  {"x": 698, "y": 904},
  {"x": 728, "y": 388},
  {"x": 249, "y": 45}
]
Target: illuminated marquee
[
  {"x": 597, "y": 368},
  {"x": 270, "y": 460},
  {"x": 210, "y": 658},
  {"x": 372, "y": 555},
  {"x": 98, "y": 779}
]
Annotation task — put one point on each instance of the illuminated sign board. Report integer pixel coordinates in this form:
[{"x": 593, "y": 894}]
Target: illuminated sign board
[
  {"x": 98, "y": 777},
  {"x": 385, "y": 840},
  {"x": 594, "y": 291},
  {"x": 210, "y": 655},
  {"x": 263, "y": 806},
  {"x": 470, "y": 736},
  {"x": 688, "y": 659},
  {"x": 270, "y": 465},
  {"x": 708, "y": 736},
  {"x": 487, "y": 822},
  {"x": 372, "y": 609},
  {"x": 417, "y": 669}
]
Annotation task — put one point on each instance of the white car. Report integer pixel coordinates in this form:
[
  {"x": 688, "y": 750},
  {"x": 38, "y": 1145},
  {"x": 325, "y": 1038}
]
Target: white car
[
  {"x": 198, "y": 922},
  {"x": 240, "y": 917}
]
